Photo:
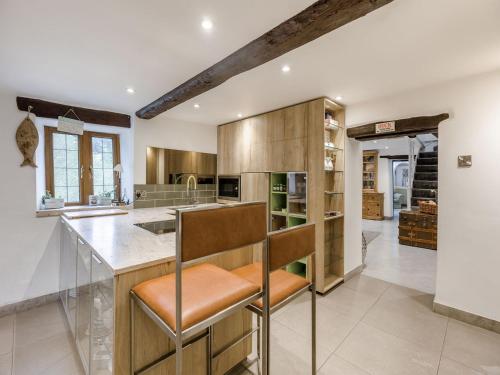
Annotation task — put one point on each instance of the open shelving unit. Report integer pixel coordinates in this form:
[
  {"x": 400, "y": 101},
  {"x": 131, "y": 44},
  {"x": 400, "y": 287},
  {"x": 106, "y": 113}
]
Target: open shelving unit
[
  {"x": 332, "y": 254},
  {"x": 288, "y": 207}
]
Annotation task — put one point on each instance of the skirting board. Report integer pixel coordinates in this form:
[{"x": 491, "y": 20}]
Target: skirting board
[
  {"x": 28, "y": 304},
  {"x": 467, "y": 317},
  {"x": 355, "y": 272}
]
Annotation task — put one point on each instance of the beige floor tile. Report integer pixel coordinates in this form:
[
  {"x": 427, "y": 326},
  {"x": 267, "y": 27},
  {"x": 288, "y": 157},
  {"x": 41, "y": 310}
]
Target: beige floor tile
[
  {"x": 290, "y": 352},
  {"x": 338, "y": 366},
  {"x": 332, "y": 327},
  {"x": 366, "y": 284},
  {"x": 411, "y": 298},
  {"x": 41, "y": 355},
  {"x": 6, "y": 334},
  {"x": 450, "y": 367},
  {"x": 304, "y": 298},
  {"x": 69, "y": 365},
  {"x": 349, "y": 302},
  {"x": 474, "y": 347},
  {"x": 40, "y": 323},
  {"x": 380, "y": 353},
  {"x": 6, "y": 364},
  {"x": 402, "y": 319}
]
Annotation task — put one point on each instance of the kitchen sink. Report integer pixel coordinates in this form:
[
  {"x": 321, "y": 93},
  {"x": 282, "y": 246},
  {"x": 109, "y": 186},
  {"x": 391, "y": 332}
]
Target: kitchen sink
[{"x": 158, "y": 227}]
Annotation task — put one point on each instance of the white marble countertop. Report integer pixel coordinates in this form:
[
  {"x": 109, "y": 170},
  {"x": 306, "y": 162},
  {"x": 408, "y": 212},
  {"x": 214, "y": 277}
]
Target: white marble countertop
[{"x": 123, "y": 246}]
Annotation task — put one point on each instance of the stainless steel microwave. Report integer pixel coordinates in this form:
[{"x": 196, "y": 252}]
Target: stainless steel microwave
[{"x": 228, "y": 188}]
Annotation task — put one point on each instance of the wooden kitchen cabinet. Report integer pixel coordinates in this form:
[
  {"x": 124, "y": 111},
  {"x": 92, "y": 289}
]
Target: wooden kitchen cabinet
[
  {"x": 373, "y": 206},
  {"x": 295, "y": 139}
]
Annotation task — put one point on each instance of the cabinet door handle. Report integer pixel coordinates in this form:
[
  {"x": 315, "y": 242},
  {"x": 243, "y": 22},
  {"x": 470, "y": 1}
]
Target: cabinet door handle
[
  {"x": 81, "y": 242},
  {"x": 96, "y": 259}
]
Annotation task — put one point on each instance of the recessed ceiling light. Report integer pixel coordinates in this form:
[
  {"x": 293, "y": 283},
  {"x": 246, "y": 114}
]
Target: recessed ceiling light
[
  {"x": 207, "y": 24},
  {"x": 196, "y": 106},
  {"x": 374, "y": 141},
  {"x": 130, "y": 90},
  {"x": 386, "y": 147},
  {"x": 338, "y": 98},
  {"x": 285, "y": 68},
  {"x": 240, "y": 115}
]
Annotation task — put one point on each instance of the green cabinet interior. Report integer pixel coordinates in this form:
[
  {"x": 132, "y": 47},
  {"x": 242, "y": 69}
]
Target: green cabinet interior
[{"x": 288, "y": 207}]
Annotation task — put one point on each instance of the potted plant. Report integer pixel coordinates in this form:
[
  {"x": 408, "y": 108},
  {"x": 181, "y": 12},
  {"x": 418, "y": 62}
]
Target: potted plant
[
  {"x": 105, "y": 198},
  {"x": 48, "y": 202}
]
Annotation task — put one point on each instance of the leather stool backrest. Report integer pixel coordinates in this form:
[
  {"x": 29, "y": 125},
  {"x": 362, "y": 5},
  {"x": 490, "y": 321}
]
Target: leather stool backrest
[
  {"x": 289, "y": 245},
  {"x": 209, "y": 231}
]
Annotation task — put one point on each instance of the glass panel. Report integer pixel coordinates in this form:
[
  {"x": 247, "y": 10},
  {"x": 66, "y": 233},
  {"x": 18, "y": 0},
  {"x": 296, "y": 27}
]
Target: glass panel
[
  {"x": 72, "y": 142},
  {"x": 97, "y": 160},
  {"x": 96, "y": 145},
  {"x": 84, "y": 302},
  {"x": 73, "y": 178},
  {"x": 60, "y": 177},
  {"x": 98, "y": 177},
  {"x": 108, "y": 160},
  {"x": 107, "y": 145},
  {"x": 61, "y": 192},
  {"x": 108, "y": 177},
  {"x": 73, "y": 194},
  {"x": 66, "y": 167},
  {"x": 297, "y": 194},
  {"x": 102, "y": 164},
  {"x": 60, "y": 158},
  {"x": 59, "y": 141},
  {"x": 102, "y": 319},
  {"x": 72, "y": 160}
]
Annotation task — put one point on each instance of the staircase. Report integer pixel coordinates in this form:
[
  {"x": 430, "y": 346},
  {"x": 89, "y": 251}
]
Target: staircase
[{"x": 425, "y": 181}]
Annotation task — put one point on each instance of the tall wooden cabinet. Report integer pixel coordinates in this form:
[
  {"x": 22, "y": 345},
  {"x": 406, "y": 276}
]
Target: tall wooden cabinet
[
  {"x": 373, "y": 201},
  {"x": 307, "y": 137}
]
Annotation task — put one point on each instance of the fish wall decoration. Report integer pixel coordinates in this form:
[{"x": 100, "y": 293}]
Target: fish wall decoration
[{"x": 27, "y": 140}]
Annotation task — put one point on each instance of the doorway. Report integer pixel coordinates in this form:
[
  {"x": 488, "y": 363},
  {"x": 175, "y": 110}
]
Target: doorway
[{"x": 388, "y": 256}]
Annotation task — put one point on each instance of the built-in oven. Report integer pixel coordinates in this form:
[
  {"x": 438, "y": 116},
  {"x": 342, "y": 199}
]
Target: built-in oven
[{"x": 228, "y": 187}]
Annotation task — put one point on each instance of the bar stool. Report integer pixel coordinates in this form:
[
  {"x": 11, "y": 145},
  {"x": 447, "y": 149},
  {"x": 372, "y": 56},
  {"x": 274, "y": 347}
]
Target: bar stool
[
  {"x": 281, "y": 287},
  {"x": 186, "y": 304}
]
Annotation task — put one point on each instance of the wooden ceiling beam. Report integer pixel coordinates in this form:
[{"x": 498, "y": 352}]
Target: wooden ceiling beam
[
  {"x": 404, "y": 127},
  {"x": 43, "y": 108},
  {"x": 318, "y": 19}
]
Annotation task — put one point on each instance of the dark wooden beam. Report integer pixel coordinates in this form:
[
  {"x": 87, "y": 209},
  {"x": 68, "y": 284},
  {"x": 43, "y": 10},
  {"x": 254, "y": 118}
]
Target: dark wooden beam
[
  {"x": 395, "y": 157},
  {"x": 404, "y": 127},
  {"x": 46, "y": 109},
  {"x": 318, "y": 19}
]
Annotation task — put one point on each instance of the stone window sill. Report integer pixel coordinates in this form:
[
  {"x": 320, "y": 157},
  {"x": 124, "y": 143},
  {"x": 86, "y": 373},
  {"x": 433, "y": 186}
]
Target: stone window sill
[{"x": 60, "y": 211}]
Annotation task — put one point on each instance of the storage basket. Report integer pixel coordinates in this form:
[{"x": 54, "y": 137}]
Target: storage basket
[{"x": 428, "y": 207}]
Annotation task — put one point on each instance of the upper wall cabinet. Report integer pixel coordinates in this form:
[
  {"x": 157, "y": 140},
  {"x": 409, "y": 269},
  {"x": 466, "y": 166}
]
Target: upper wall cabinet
[{"x": 274, "y": 141}]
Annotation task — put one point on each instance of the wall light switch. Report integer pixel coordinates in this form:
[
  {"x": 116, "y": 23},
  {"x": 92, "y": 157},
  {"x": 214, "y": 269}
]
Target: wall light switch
[{"x": 464, "y": 161}]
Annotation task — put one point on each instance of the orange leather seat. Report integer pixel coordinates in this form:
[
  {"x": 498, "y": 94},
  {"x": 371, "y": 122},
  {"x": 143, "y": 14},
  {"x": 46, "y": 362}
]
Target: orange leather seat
[
  {"x": 206, "y": 290},
  {"x": 283, "y": 284}
]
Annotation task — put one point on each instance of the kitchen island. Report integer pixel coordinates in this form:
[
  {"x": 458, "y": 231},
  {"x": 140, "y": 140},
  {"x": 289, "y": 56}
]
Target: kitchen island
[{"x": 102, "y": 258}]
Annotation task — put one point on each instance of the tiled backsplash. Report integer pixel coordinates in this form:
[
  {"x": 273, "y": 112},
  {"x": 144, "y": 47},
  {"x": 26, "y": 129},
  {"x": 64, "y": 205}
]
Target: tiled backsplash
[{"x": 172, "y": 195}]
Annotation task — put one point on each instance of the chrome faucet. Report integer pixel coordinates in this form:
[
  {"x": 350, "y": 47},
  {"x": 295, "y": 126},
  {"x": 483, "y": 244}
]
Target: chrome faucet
[{"x": 193, "y": 198}]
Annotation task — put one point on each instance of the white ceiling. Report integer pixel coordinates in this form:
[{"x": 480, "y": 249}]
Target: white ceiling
[{"x": 88, "y": 52}]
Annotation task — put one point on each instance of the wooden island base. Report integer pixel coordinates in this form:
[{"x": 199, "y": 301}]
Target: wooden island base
[{"x": 151, "y": 342}]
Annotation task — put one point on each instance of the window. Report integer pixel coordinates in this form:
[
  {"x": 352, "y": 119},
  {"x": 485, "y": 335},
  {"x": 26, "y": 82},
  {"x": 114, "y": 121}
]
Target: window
[{"x": 78, "y": 166}]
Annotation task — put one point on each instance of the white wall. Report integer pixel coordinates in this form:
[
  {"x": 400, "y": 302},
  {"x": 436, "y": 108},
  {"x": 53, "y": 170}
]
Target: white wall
[
  {"x": 163, "y": 132},
  {"x": 353, "y": 205},
  {"x": 385, "y": 184},
  {"x": 29, "y": 246},
  {"x": 468, "y": 276}
]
